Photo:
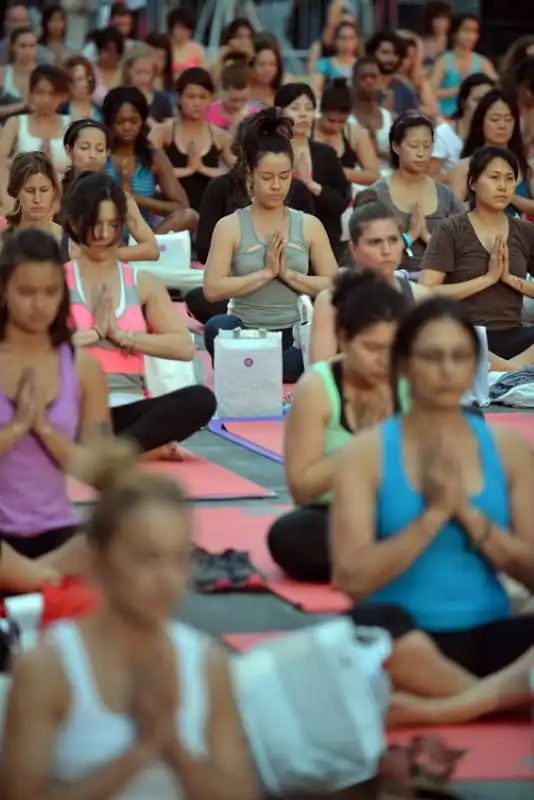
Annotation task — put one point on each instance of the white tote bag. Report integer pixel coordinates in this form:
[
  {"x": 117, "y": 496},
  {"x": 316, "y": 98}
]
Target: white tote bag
[
  {"x": 173, "y": 267},
  {"x": 302, "y": 330},
  {"x": 164, "y": 375},
  {"x": 479, "y": 392},
  {"x": 248, "y": 373},
  {"x": 313, "y": 705}
]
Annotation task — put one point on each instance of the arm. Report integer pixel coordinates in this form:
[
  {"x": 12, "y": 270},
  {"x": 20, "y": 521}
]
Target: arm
[
  {"x": 364, "y": 148},
  {"x": 309, "y": 472},
  {"x": 333, "y": 197},
  {"x": 488, "y": 68},
  {"x": 223, "y": 142},
  {"x": 38, "y": 703},
  {"x": 146, "y": 248},
  {"x": 436, "y": 79},
  {"x": 313, "y": 57},
  {"x": 218, "y": 283},
  {"x": 10, "y": 434},
  {"x": 323, "y": 340},
  {"x": 212, "y": 209},
  {"x": 173, "y": 196},
  {"x": 458, "y": 179},
  {"x": 361, "y": 565},
  {"x": 170, "y": 338},
  {"x": 228, "y": 772},
  {"x": 93, "y": 412},
  {"x": 318, "y": 81},
  {"x": 509, "y": 550},
  {"x": 8, "y": 138},
  {"x": 322, "y": 258}
]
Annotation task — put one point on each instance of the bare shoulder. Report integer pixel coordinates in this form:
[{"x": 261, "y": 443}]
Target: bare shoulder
[
  {"x": 86, "y": 364},
  {"x": 38, "y": 676},
  {"x": 514, "y": 449},
  {"x": 363, "y": 454}
]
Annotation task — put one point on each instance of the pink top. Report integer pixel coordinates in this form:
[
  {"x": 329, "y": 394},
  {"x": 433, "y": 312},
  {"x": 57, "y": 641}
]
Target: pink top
[{"x": 216, "y": 116}]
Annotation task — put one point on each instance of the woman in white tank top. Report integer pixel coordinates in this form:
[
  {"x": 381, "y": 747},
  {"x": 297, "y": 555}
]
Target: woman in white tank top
[{"x": 125, "y": 703}]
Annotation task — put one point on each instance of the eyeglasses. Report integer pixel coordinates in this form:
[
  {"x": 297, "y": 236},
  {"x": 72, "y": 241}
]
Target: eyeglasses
[{"x": 435, "y": 357}]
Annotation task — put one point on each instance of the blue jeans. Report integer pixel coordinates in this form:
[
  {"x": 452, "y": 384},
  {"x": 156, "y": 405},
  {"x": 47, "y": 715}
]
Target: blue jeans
[{"x": 292, "y": 363}]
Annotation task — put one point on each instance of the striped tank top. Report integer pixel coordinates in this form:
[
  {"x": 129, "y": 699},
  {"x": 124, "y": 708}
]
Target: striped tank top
[{"x": 125, "y": 372}]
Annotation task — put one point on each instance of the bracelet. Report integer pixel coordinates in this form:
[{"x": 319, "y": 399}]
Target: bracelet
[
  {"x": 97, "y": 331},
  {"x": 477, "y": 544}
]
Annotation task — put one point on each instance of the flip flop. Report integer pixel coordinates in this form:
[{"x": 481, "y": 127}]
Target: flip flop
[{"x": 422, "y": 768}]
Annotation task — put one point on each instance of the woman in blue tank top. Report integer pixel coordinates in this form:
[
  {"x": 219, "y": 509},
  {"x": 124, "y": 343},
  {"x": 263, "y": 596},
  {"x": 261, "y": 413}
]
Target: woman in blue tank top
[{"x": 432, "y": 505}]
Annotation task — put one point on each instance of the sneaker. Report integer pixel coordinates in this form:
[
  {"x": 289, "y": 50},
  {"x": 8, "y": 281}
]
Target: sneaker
[
  {"x": 242, "y": 572},
  {"x": 210, "y": 573}
]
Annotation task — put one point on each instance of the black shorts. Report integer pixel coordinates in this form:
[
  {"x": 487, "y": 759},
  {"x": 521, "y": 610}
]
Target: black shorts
[
  {"x": 41, "y": 544},
  {"x": 510, "y": 342}
]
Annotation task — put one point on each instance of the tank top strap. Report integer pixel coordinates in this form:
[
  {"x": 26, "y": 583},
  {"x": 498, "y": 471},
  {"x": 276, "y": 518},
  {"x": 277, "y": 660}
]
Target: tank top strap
[
  {"x": 391, "y": 448},
  {"x": 296, "y": 226},
  {"x": 67, "y": 365},
  {"x": 449, "y": 60},
  {"x": 476, "y": 63},
  {"x": 69, "y": 276},
  {"x": 129, "y": 291},
  {"x": 492, "y": 465},
  {"x": 69, "y": 645},
  {"x": 406, "y": 290},
  {"x": 23, "y": 125},
  {"x": 324, "y": 369},
  {"x": 191, "y": 648},
  {"x": 248, "y": 234}
]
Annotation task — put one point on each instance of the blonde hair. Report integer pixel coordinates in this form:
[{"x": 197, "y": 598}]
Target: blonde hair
[
  {"x": 111, "y": 466},
  {"x": 137, "y": 51}
]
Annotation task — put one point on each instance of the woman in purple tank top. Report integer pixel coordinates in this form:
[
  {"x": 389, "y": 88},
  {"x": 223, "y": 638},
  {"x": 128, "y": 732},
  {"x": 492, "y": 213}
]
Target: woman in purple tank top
[{"x": 51, "y": 398}]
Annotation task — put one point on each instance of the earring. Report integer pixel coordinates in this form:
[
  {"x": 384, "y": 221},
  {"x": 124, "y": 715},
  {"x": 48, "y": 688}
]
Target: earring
[{"x": 404, "y": 394}]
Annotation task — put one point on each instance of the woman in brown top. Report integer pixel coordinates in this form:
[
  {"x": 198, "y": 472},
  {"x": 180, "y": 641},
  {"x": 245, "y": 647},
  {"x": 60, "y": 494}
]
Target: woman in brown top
[
  {"x": 419, "y": 201},
  {"x": 482, "y": 256}
]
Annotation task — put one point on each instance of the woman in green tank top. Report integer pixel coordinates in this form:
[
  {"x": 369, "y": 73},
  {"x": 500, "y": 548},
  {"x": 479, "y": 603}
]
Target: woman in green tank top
[{"x": 334, "y": 400}]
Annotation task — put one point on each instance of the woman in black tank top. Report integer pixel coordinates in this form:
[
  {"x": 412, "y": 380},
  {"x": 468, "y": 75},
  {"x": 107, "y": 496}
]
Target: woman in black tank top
[
  {"x": 351, "y": 142},
  {"x": 197, "y": 151}
]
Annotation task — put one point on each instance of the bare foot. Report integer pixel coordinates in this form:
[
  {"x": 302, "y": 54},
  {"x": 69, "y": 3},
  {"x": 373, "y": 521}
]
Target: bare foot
[{"x": 168, "y": 452}]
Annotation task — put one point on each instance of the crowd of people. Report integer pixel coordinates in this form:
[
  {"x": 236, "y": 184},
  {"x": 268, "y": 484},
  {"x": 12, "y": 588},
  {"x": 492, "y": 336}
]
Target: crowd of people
[{"x": 393, "y": 186}]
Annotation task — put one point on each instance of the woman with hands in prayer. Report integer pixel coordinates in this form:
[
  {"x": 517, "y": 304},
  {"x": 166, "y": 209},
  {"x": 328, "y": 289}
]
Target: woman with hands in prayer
[
  {"x": 260, "y": 255},
  {"x": 482, "y": 257},
  {"x": 434, "y": 493},
  {"x": 53, "y": 399},
  {"x": 122, "y": 316}
]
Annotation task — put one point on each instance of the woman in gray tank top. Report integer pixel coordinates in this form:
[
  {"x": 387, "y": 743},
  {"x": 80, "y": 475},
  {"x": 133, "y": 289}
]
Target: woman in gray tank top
[{"x": 259, "y": 256}]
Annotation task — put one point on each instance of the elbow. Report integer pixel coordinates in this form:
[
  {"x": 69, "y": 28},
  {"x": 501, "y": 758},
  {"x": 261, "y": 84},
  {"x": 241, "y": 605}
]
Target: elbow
[
  {"x": 152, "y": 251},
  {"x": 300, "y": 492},
  {"x": 213, "y": 293},
  {"x": 350, "y": 581},
  {"x": 187, "y": 348}
]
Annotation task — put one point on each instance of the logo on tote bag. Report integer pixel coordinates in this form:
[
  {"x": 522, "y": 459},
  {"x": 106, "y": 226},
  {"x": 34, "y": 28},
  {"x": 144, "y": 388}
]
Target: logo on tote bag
[{"x": 248, "y": 362}]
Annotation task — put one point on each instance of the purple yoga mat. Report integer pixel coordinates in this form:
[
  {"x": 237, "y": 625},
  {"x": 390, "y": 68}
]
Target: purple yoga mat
[{"x": 217, "y": 426}]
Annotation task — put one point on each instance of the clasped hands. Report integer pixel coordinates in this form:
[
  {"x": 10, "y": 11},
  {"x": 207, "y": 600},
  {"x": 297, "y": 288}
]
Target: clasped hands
[
  {"x": 30, "y": 413},
  {"x": 443, "y": 484},
  {"x": 275, "y": 262},
  {"x": 104, "y": 319}
]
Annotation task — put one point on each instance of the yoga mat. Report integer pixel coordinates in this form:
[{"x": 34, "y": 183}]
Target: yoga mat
[
  {"x": 218, "y": 529},
  {"x": 522, "y": 422},
  {"x": 500, "y": 750},
  {"x": 262, "y": 436},
  {"x": 193, "y": 324},
  {"x": 201, "y": 479}
]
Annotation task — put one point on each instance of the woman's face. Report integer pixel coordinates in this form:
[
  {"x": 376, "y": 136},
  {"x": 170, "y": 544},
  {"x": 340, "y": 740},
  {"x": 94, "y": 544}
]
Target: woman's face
[
  {"x": 109, "y": 56},
  {"x": 160, "y": 58},
  {"x": 347, "y": 41},
  {"x": 37, "y": 198},
  {"x": 56, "y": 25},
  {"x": 146, "y": 566},
  {"x": 235, "y": 100},
  {"x": 302, "y": 112},
  {"x": 333, "y": 123},
  {"x": 90, "y": 150},
  {"x": 380, "y": 247},
  {"x": 265, "y": 67},
  {"x": 366, "y": 81},
  {"x": 80, "y": 83},
  {"x": 33, "y": 296},
  {"x": 271, "y": 179},
  {"x": 415, "y": 150},
  {"x": 128, "y": 124},
  {"x": 442, "y": 364},
  {"x": 367, "y": 355},
  {"x": 180, "y": 35},
  {"x": 467, "y": 34},
  {"x": 25, "y": 49},
  {"x": 440, "y": 26},
  {"x": 498, "y": 125},
  {"x": 45, "y": 98},
  {"x": 142, "y": 74},
  {"x": 410, "y": 60},
  {"x": 474, "y": 97},
  {"x": 496, "y": 186},
  {"x": 194, "y": 102},
  {"x": 106, "y": 232}
]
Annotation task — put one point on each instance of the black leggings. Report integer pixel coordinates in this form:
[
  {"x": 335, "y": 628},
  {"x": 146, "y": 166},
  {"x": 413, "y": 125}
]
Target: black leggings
[
  {"x": 203, "y": 310},
  {"x": 511, "y": 342},
  {"x": 172, "y": 417},
  {"x": 41, "y": 544},
  {"x": 298, "y": 543}
]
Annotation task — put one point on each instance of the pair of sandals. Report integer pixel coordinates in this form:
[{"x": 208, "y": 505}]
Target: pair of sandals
[{"x": 422, "y": 768}]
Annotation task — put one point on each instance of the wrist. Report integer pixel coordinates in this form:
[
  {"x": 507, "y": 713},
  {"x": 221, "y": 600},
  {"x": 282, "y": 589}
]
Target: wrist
[
  {"x": 434, "y": 517},
  {"x": 18, "y": 428}
]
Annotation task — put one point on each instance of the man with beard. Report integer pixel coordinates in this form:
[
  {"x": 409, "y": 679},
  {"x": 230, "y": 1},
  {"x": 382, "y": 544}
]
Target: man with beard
[{"x": 389, "y": 50}]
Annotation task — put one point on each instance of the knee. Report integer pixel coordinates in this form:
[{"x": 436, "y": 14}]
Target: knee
[
  {"x": 183, "y": 220},
  {"x": 204, "y": 403},
  {"x": 415, "y": 644}
]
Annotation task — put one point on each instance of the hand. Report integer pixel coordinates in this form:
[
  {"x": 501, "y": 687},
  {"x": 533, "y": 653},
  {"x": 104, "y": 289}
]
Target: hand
[
  {"x": 155, "y": 699},
  {"x": 100, "y": 312},
  {"x": 25, "y": 402},
  {"x": 375, "y": 409},
  {"x": 442, "y": 477},
  {"x": 425, "y": 233},
  {"x": 303, "y": 167},
  {"x": 417, "y": 220},
  {"x": 126, "y": 175},
  {"x": 195, "y": 162},
  {"x": 505, "y": 259},
  {"x": 275, "y": 252},
  {"x": 109, "y": 311},
  {"x": 499, "y": 255}
]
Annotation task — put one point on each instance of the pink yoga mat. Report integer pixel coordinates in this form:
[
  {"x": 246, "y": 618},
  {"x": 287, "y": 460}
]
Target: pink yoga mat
[
  {"x": 522, "y": 422},
  {"x": 201, "y": 479},
  {"x": 217, "y": 529}
]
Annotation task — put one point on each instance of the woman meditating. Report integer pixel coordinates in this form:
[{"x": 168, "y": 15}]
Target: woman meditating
[
  {"x": 482, "y": 257},
  {"x": 260, "y": 255},
  {"x": 332, "y": 401},
  {"x": 432, "y": 505},
  {"x": 123, "y": 315},
  {"x": 52, "y": 398},
  {"x": 86, "y": 144},
  {"x": 34, "y": 188}
]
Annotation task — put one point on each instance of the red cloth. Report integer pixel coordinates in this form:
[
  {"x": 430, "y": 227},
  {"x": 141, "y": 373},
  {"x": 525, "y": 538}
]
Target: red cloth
[{"x": 70, "y": 599}]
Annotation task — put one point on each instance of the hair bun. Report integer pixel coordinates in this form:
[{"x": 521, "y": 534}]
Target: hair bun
[
  {"x": 340, "y": 82},
  {"x": 105, "y": 464},
  {"x": 350, "y": 280},
  {"x": 364, "y": 197},
  {"x": 275, "y": 122}
]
